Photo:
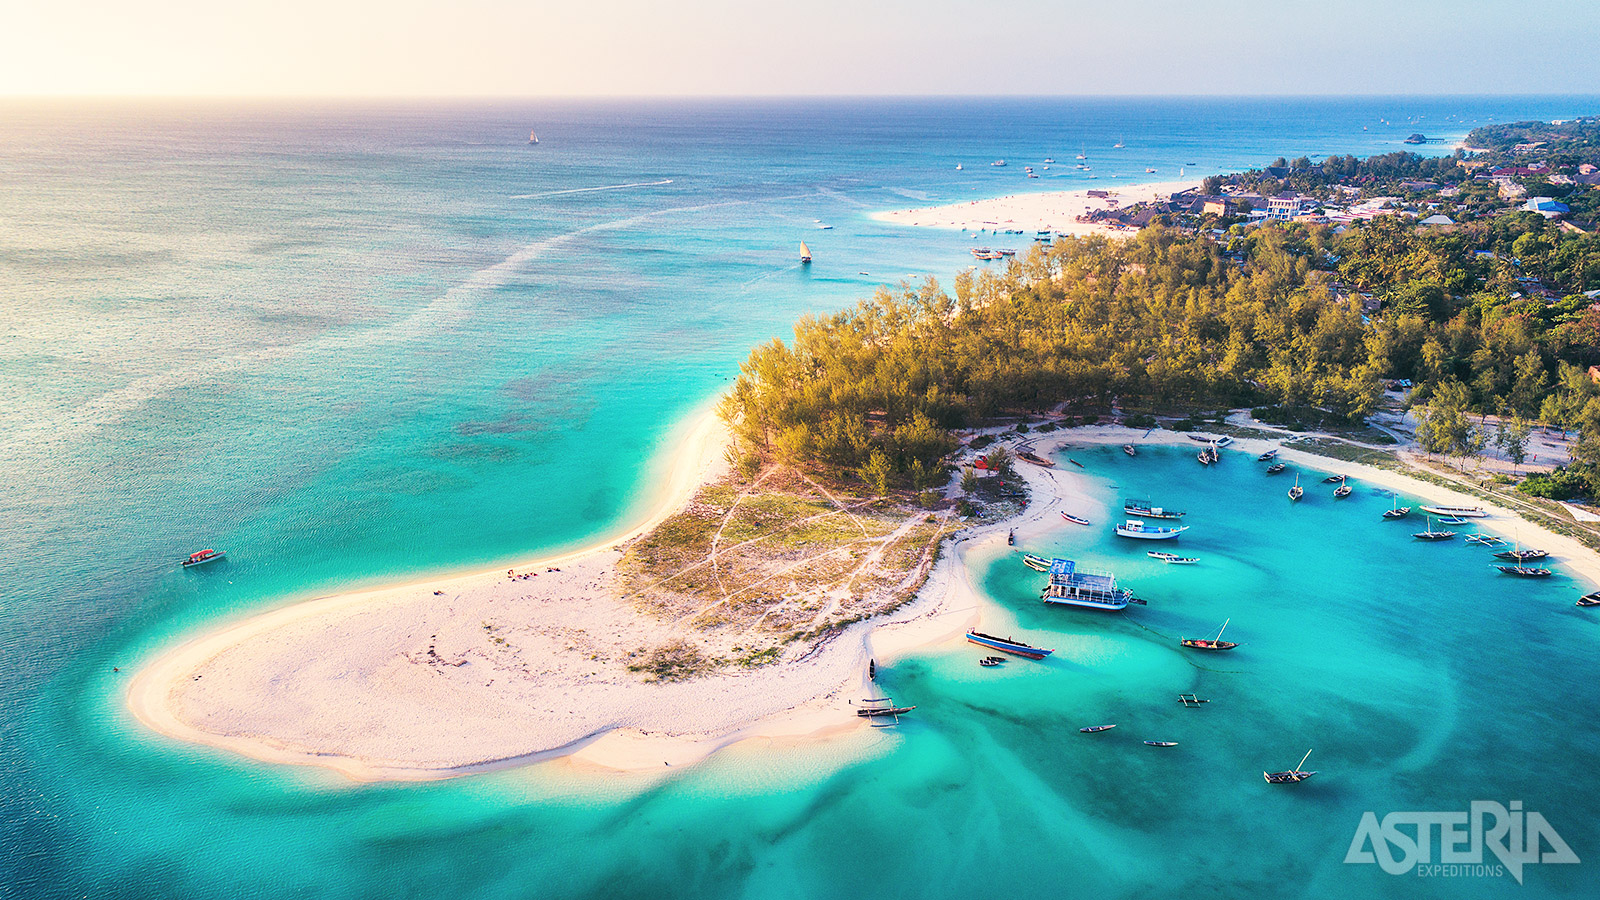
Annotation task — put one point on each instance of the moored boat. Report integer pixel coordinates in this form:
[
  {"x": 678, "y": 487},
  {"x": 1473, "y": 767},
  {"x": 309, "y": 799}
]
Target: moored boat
[
  {"x": 1399, "y": 512},
  {"x": 1522, "y": 555},
  {"x": 1341, "y": 492},
  {"x": 1591, "y": 599},
  {"x": 1463, "y": 512},
  {"x": 1275, "y": 468},
  {"x": 1134, "y": 528},
  {"x": 1296, "y": 492},
  {"x": 1096, "y": 729},
  {"x": 1332, "y": 479},
  {"x": 805, "y": 252},
  {"x": 1431, "y": 535},
  {"x": 885, "y": 707},
  {"x": 201, "y": 557},
  {"x": 1486, "y": 540},
  {"x": 1129, "y": 449},
  {"x": 1213, "y": 643},
  {"x": 1144, "y": 510},
  {"x": 1292, "y": 776},
  {"x": 1037, "y": 563},
  {"x": 1522, "y": 571},
  {"x": 1092, "y": 590},
  {"x": 1270, "y": 454},
  {"x": 1008, "y": 645},
  {"x": 1074, "y": 519},
  {"x": 1161, "y": 743},
  {"x": 1173, "y": 559}
]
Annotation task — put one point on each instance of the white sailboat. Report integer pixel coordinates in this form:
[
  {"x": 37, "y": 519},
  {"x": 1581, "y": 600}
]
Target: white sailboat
[{"x": 533, "y": 138}]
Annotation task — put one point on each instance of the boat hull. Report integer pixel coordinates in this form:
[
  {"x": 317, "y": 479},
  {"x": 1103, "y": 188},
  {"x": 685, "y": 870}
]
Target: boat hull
[
  {"x": 1149, "y": 535},
  {"x": 1463, "y": 512},
  {"x": 1005, "y": 646}
]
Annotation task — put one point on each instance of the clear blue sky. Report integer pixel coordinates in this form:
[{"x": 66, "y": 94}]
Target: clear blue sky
[{"x": 642, "y": 47}]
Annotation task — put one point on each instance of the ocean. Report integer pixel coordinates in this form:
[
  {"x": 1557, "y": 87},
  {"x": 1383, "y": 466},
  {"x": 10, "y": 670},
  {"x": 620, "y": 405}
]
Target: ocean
[{"x": 354, "y": 342}]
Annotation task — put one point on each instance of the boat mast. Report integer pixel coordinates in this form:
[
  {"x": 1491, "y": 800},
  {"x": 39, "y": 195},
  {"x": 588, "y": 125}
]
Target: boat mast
[
  {"x": 1303, "y": 760},
  {"x": 1224, "y": 627}
]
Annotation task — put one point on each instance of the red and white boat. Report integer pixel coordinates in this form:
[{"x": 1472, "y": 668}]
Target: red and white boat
[{"x": 201, "y": 557}]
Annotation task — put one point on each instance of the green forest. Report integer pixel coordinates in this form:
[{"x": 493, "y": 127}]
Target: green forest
[{"x": 1172, "y": 321}]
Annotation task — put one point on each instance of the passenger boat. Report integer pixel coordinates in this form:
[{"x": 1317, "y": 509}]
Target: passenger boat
[
  {"x": 1522, "y": 555},
  {"x": 1173, "y": 559},
  {"x": 1007, "y": 645},
  {"x": 1025, "y": 456},
  {"x": 1091, "y": 590},
  {"x": 1128, "y": 449},
  {"x": 1161, "y": 743},
  {"x": 1431, "y": 535},
  {"x": 1133, "y": 528},
  {"x": 1074, "y": 519},
  {"x": 1144, "y": 510},
  {"x": 1462, "y": 512},
  {"x": 805, "y": 252},
  {"x": 1296, "y": 492},
  {"x": 1037, "y": 563},
  {"x": 1342, "y": 491},
  {"x": 1331, "y": 479},
  {"x": 1292, "y": 776},
  {"x": 201, "y": 557},
  {"x": 1270, "y": 454},
  {"x": 1275, "y": 468},
  {"x": 1592, "y": 599},
  {"x": 1096, "y": 729},
  {"x": 1524, "y": 572},
  {"x": 1216, "y": 643}
]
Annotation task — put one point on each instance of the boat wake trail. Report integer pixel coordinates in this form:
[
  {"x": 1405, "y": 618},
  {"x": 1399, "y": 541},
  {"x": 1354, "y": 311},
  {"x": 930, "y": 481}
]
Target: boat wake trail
[{"x": 590, "y": 190}]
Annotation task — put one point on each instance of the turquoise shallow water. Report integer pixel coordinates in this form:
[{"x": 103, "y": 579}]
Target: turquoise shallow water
[{"x": 330, "y": 339}]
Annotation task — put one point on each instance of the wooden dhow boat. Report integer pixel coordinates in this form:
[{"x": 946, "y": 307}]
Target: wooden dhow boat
[
  {"x": 1213, "y": 643},
  {"x": 1590, "y": 599},
  {"x": 882, "y": 706},
  {"x": 1161, "y": 743},
  {"x": 1460, "y": 512},
  {"x": 1341, "y": 492},
  {"x": 1144, "y": 510},
  {"x": 1293, "y": 776},
  {"x": 1036, "y": 562},
  {"x": 1333, "y": 479},
  {"x": 1522, "y": 571},
  {"x": 1296, "y": 492},
  {"x": 1275, "y": 468},
  {"x": 1096, "y": 729},
  {"x": 1431, "y": 535},
  {"x": 1026, "y": 456},
  {"x": 1130, "y": 450},
  {"x": 1007, "y": 645},
  {"x": 1522, "y": 555},
  {"x": 1074, "y": 519},
  {"x": 1270, "y": 454}
]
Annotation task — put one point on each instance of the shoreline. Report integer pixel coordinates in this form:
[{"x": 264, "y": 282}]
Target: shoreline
[
  {"x": 647, "y": 726},
  {"x": 1056, "y": 211}
]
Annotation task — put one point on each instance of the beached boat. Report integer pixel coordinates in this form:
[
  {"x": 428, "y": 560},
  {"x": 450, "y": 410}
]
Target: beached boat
[
  {"x": 1133, "y": 528},
  {"x": 1592, "y": 599},
  {"x": 1037, "y": 563},
  {"x": 1211, "y": 643},
  {"x": 882, "y": 706},
  {"x": 201, "y": 557},
  {"x": 1096, "y": 729},
  {"x": 1025, "y": 456},
  {"x": 1144, "y": 510},
  {"x": 1432, "y": 535},
  {"x": 1161, "y": 743},
  {"x": 1522, "y": 555},
  {"x": 1007, "y": 645},
  {"x": 1270, "y": 454},
  {"x": 1292, "y": 776},
  {"x": 1458, "y": 512},
  {"x": 1173, "y": 559},
  {"x": 1522, "y": 571},
  {"x": 1296, "y": 492},
  {"x": 1089, "y": 589},
  {"x": 805, "y": 252},
  {"x": 1129, "y": 449},
  {"x": 1342, "y": 491},
  {"x": 1074, "y": 519},
  {"x": 1275, "y": 468}
]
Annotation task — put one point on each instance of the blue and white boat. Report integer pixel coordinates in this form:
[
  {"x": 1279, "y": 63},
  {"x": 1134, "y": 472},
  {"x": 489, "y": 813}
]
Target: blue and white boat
[
  {"x": 1134, "y": 528},
  {"x": 1008, "y": 645},
  {"x": 1092, "y": 590}
]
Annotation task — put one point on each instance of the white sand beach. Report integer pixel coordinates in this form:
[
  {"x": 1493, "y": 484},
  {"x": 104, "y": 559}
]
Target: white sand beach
[
  {"x": 400, "y": 683},
  {"x": 1056, "y": 211}
]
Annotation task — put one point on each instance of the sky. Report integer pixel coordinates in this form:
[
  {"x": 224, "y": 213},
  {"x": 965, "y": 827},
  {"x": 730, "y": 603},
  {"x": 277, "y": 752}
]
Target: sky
[{"x": 411, "y": 48}]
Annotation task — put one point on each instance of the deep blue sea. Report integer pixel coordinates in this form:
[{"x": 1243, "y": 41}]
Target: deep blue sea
[{"x": 351, "y": 342}]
